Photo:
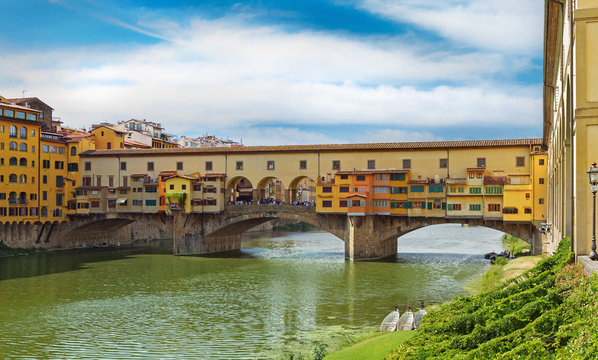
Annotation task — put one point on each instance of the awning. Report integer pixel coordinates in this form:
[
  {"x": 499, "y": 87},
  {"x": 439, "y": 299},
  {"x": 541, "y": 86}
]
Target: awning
[{"x": 121, "y": 201}]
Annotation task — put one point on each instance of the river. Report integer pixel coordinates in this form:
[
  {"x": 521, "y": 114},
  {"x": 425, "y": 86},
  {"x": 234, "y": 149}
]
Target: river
[{"x": 281, "y": 293}]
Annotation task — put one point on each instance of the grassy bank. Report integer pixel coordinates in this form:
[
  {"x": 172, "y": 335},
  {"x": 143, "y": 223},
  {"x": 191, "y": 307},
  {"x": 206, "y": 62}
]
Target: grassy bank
[
  {"x": 515, "y": 246},
  {"x": 377, "y": 347},
  {"x": 548, "y": 312},
  {"x": 8, "y": 251}
]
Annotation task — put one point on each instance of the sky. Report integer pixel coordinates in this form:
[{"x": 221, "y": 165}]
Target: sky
[{"x": 269, "y": 72}]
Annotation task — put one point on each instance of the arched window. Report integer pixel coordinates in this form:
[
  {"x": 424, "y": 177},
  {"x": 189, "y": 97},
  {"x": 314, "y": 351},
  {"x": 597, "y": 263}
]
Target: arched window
[
  {"x": 73, "y": 151},
  {"x": 44, "y": 212},
  {"x": 23, "y": 179},
  {"x": 12, "y": 161},
  {"x": 23, "y": 132},
  {"x": 13, "y": 146},
  {"x": 12, "y": 178},
  {"x": 23, "y": 147},
  {"x": 23, "y": 198},
  {"x": 13, "y": 131},
  {"x": 22, "y": 162}
]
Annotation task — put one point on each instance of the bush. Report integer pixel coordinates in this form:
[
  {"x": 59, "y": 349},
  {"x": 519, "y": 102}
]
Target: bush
[{"x": 547, "y": 313}]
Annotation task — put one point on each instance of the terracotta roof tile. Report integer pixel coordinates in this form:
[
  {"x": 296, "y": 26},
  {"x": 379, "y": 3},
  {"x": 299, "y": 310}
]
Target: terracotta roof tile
[{"x": 323, "y": 147}]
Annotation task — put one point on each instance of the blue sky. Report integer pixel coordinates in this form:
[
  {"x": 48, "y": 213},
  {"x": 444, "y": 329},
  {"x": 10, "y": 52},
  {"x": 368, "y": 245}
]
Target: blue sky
[{"x": 284, "y": 72}]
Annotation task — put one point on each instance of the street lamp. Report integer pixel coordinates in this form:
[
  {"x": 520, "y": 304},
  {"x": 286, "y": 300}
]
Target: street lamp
[{"x": 593, "y": 177}]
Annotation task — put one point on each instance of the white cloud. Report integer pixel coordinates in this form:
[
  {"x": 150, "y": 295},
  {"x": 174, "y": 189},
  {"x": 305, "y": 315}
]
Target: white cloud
[
  {"x": 224, "y": 75},
  {"x": 513, "y": 26}
]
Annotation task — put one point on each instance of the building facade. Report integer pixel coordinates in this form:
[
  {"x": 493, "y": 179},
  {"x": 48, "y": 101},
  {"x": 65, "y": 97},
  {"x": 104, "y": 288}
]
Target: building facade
[{"x": 570, "y": 118}]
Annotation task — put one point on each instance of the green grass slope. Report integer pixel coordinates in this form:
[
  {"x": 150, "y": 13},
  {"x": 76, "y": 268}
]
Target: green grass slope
[
  {"x": 375, "y": 348},
  {"x": 550, "y": 312}
]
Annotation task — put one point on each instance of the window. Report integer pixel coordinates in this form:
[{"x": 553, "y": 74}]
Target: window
[
  {"x": 209, "y": 166},
  {"x": 95, "y": 204},
  {"x": 327, "y": 189},
  {"x": 497, "y": 190},
  {"x": 302, "y": 164},
  {"x": 397, "y": 177},
  {"x": 475, "y": 190},
  {"x": 72, "y": 167},
  {"x": 12, "y": 161},
  {"x": 137, "y": 202},
  {"x": 471, "y": 175},
  {"x": 493, "y": 207},
  {"x": 336, "y": 164},
  {"x": 197, "y": 187},
  {"x": 58, "y": 199},
  {"x": 435, "y": 188},
  {"x": 510, "y": 210},
  {"x": 270, "y": 165},
  {"x": 32, "y": 133},
  {"x": 371, "y": 164},
  {"x": 123, "y": 165},
  {"x": 184, "y": 187},
  {"x": 23, "y": 147},
  {"x": 417, "y": 188},
  {"x": 44, "y": 179},
  {"x": 171, "y": 187},
  {"x": 239, "y": 165},
  {"x": 44, "y": 195},
  {"x": 151, "y": 189},
  {"x": 13, "y": 146},
  {"x": 527, "y": 195},
  {"x": 98, "y": 180},
  {"x": 12, "y": 178},
  {"x": 443, "y": 163},
  {"x": 454, "y": 207},
  {"x": 344, "y": 189},
  {"x": 406, "y": 163},
  {"x": 13, "y": 131},
  {"x": 150, "y": 166},
  {"x": 527, "y": 211},
  {"x": 541, "y": 181},
  {"x": 475, "y": 207},
  {"x": 479, "y": 175},
  {"x": 58, "y": 165},
  {"x": 87, "y": 181},
  {"x": 381, "y": 190},
  {"x": 520, "y": 161},
  {"x": 179, "y": 165},
  {"x": 481, "y": 162},
  {"x": 109, "y": 145},
  {"x": 150, "y": 202},
  {"x": 45, "y": 149},
  {"x": 344, "y": 177},
  {"x": 20, "y": 115},
  {"x": 23, "y": 132},
  {"x": 73, "y": 151},
  {"x": 380, "y": 203},
  {"x": 32, "y": 148},
  {"x": 541, "y": 201},
  {"x": 110, "y": 180},
  {"x": 125, "y": 181},
  {"x": 59, "y": 181},
  {"x": 541, "y": 162},
  {"x": 381, "y": 177},
  {"x": 342, "y": 203},
  {"x": 9, "y": 113},
  {"x": 360, "y": 178},
  {"x": 23, "y": 179},
  {"x": 326, "y": 203},
  {"x": 398, "y": 190}
]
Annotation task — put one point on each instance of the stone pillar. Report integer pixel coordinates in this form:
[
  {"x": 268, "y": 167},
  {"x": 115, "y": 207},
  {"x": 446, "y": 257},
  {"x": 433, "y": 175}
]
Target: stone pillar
[{"x": 362, "y": 242}]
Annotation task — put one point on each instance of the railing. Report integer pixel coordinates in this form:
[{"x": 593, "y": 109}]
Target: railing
[{"x": 269, "y": 207}]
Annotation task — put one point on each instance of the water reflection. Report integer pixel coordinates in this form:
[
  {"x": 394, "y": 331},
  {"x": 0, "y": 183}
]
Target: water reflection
[{"x": 281, "y": 290}]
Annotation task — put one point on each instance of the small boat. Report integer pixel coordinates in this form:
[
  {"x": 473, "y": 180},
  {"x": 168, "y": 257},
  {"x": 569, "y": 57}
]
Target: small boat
[
  {"x": 390, "y": 322},
  {"x": 406, "y": 321}
]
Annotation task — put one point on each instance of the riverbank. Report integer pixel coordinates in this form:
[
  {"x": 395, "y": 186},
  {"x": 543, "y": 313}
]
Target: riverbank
[
  {"x": 9, "y": 251},
  {"x": 548, "y": 313}
]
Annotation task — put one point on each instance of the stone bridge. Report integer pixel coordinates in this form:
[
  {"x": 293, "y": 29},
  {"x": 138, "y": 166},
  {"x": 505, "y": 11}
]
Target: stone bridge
[{"x": 366, "y": 237}]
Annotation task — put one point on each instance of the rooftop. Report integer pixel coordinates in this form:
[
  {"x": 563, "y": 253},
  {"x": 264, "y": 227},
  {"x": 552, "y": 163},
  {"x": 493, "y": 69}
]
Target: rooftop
[{"x": 324, "y": 147}]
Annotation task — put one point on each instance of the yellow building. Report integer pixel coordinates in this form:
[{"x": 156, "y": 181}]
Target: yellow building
[
  {"x": 76, "y": 143},
  {"x": 19, "y": 165},
  {"x": 399, "y": 190},
  {"x": 108, "y": 137},
  {"x": 53, "y": 194}
]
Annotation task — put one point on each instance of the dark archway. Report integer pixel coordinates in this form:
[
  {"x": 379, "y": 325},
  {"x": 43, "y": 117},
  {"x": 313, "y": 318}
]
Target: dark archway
[
  {"x": 271, "y": 190},
  {"x": 239, "y": 191},
  {"x": 302, "y": 191}
]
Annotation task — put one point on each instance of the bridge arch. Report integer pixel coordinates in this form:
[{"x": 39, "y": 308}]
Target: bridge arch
[
  {"x": 301, "y": 189},
  {"x": 270, "y": 188},
  {"x": 239, "y": 189}
]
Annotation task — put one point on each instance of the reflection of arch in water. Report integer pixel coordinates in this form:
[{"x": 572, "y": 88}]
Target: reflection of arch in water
[
  {"x": 239, "y": 188},
  {"x": 271, "y": 188},
  {"x": 302, "y": 189}
]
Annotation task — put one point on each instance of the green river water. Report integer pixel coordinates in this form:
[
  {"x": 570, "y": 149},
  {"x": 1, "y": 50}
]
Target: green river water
[{"x": 282, "y": 293}]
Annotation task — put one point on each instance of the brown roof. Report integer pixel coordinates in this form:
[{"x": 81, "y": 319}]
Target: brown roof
[
  {"x": 322, "y": 147},
  {"x": 110, "y": 128},
  {"x": 20, "y": 107},
  {"x": 419, "y": 181},
  {"x": 28, "y": 100}
]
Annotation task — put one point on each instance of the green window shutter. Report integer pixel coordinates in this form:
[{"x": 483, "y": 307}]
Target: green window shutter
[
  {"x": 408, "y": 205},
  {"x": 450, "y": 207},
  {"x": 392, "y": 204},
  {"x": 429, "y": 205},
  {"x": 443, "y": 206}
]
